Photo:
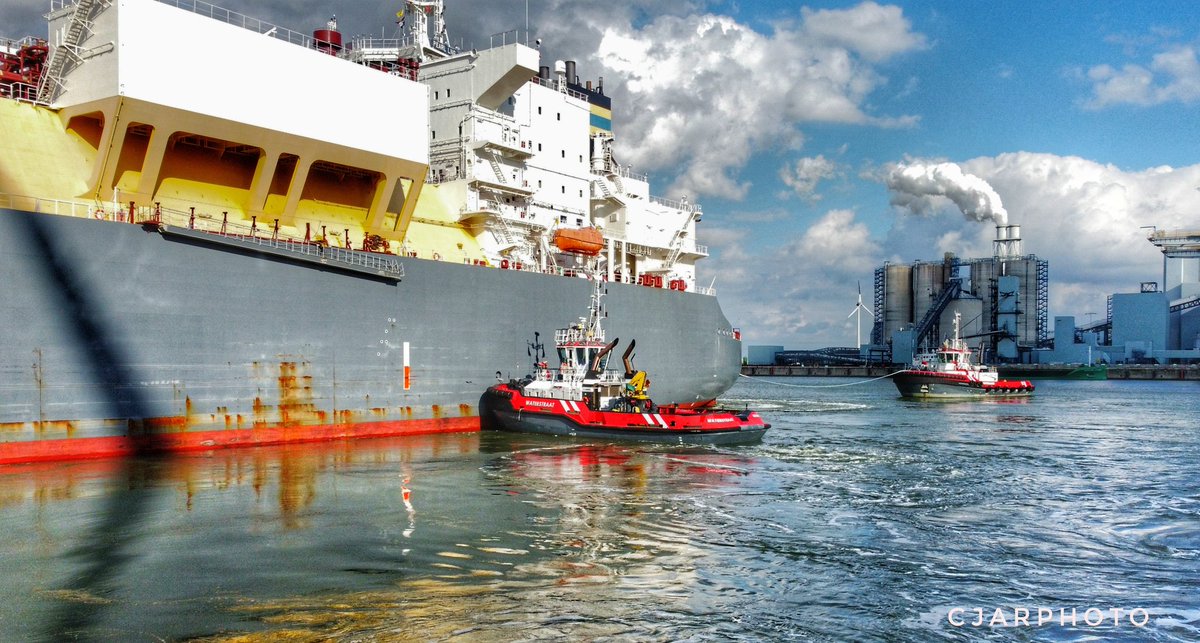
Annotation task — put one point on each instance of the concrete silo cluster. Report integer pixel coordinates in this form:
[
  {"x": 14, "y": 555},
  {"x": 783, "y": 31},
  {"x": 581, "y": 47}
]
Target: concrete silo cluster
[{"x": 1002, "y": 302}]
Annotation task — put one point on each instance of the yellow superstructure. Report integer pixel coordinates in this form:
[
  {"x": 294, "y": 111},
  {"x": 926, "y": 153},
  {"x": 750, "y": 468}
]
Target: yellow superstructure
[{"x": 122, "y": 152}]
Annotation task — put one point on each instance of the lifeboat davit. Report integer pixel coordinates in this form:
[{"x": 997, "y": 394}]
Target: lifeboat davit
[{"x": 585, "y": 241}]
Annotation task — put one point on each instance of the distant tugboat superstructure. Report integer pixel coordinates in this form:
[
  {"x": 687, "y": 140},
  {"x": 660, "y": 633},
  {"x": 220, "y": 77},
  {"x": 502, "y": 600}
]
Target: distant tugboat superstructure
[
  {"x": 582, "y": 398},
  {"x": 950, "y": 373},
  {"x": 216, "y": 231}
]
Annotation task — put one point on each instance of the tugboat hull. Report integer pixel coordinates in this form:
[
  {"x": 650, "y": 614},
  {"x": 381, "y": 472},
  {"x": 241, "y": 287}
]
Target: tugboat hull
[
  {"x": 934, "y": 386},
  {"x": 571, "y": 419}
]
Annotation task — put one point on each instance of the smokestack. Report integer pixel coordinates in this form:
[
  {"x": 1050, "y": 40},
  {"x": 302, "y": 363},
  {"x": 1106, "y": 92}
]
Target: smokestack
[
  {"x": 1014, "y": 240},
  {"x": 572, "y": 79},
  {"x": 544, "y": 72},
  {"x": 1008, "y": 241}
]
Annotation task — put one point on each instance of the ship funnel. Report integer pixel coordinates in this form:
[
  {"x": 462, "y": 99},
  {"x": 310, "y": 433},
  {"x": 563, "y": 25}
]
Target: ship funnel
[
  {"x": 572, "y": 79},
  {"x": 329, "y": 39},
  {"x": 544, "y": 72}
]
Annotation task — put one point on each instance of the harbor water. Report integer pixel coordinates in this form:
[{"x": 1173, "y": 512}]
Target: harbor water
[{"x": 1072, "y": 515}]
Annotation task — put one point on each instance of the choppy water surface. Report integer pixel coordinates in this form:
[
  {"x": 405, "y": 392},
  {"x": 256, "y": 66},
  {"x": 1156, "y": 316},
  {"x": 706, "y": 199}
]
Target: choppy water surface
[{"x": 860, "y": 517}]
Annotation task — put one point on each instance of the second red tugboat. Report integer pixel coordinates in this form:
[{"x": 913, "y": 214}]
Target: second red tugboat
[{"x": 948, "y": 373}]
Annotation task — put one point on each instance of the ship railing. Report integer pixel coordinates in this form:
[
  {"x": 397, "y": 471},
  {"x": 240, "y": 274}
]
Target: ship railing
[
  {"x": 576, "y": 335},
  {"x": 553, "y": 84},
  {"x": 266, "y": 235},
  {"x": 391, "y": 46},
  {"x": 510, "y": 37},
  {"x": 253, "y": 234},
  {"x": 14, "y": 45},
  {"x": 677, "y": 204},
  {"x": 622, "y": 172},
  {"x": 577, "y": 377},
  {"x": 50, "y": 206},
  {"x": 236, "y": 19}
]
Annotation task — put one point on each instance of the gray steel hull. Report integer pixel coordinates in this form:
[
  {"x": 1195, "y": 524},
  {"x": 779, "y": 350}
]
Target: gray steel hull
[{"x": 117, "y": 331}]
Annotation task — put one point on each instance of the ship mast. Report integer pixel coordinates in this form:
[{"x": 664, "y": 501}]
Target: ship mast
[{"x": 416, "y": 16}]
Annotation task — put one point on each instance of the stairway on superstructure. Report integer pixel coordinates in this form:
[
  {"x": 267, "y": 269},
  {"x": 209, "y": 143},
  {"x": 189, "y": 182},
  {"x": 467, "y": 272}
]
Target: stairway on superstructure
[{"x": 68, "y": 49}]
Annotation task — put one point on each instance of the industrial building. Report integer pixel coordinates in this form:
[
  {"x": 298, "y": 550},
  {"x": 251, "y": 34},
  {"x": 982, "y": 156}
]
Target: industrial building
[
  {"x": 1003, "y": 307},
  {"x": 1002, "y": 300},
  {"x": 1151, "y": 326}
]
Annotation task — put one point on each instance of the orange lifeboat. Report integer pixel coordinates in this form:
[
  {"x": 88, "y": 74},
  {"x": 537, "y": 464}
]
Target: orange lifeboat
[{"x": 585, "y": 241}]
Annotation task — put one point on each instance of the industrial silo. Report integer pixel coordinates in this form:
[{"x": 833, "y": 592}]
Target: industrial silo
[
  {"x": 928, "y": 279},
  {"x": 971, "y": 320},
  {"x": 897, "y": 298}
]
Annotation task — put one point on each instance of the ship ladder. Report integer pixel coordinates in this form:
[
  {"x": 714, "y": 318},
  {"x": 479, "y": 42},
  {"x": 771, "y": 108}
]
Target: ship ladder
[
  {"x": 68, "y": 49},
  {"x": 497, "y": 168}
]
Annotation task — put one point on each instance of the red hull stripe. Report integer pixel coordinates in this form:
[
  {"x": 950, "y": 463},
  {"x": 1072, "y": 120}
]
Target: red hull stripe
[{"x": 42, "y": 450}]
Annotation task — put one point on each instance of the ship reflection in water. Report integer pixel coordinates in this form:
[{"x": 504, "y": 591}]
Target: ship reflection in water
[{"x": 425, "y": 533}]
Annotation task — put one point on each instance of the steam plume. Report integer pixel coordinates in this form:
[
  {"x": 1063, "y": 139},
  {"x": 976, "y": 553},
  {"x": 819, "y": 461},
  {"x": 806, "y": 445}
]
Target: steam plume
[{"x": 913, "y": 186}]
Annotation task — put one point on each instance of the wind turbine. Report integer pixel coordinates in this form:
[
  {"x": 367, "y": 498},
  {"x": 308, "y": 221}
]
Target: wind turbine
[{"x": 858, "y": 310}]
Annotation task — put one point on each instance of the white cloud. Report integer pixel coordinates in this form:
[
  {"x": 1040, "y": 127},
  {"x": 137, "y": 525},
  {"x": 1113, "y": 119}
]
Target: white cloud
[
  {"x": 701, "y": 93},
  {"x": 803, "y": 176},
  {"x": 873, "y": 31},
  {"x": 800, "y": 291},
  {"x": 1173, "y": 76}
]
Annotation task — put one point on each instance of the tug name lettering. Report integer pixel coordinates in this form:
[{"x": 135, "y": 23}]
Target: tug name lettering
[{"x": 1039, "y": 616}]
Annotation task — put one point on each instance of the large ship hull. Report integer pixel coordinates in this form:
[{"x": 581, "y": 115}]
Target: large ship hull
[{"x": 120, "y": 338}]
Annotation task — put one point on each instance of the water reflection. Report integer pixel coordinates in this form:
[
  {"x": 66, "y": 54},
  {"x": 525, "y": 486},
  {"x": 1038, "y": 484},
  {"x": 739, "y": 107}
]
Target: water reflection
[
  {"x": 286, "y": 474},
  {"x": 869, "y": 520},
  {"x": 577, "y": 541}
]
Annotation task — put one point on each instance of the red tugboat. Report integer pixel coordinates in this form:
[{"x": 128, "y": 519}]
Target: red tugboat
[
  {"x": 581, "y": 398},
  {"x": 948, "y": 373}
]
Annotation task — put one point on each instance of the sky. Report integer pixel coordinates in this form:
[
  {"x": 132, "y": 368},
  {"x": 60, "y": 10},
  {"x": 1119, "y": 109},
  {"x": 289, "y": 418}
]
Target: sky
[{"x": 825, "y": 138}]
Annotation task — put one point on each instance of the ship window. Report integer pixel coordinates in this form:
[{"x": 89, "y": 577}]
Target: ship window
[
  {"x": 435, "y": 95},
  {"x": 578, "y": 220},
  {"x": 562, "y": 218},
  {"x": 564, "y": 191},
  {"x": 564, "y": 154},
  {"x": 447, "y": 92},
  {"x": 539, "y": 109},
  {"x": 559, "y": 115},
  {"x": 539, "y": 183},
  {"x": 433, "y": 134},
  {"x": 562, "y": 355},
  {"x": 580, "y": 356},
  {"x": 539, "y": 147}
]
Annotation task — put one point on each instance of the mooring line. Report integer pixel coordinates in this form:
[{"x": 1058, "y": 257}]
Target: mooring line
[{"x": 881, "y": 377}]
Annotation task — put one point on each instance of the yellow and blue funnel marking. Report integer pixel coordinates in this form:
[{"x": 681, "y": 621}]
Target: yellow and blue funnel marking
[{"x": 601, "y": 119}]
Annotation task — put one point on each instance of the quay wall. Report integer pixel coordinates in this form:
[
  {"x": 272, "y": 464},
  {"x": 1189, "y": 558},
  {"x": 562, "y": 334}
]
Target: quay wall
[{"x": 1115, "y": 372}]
